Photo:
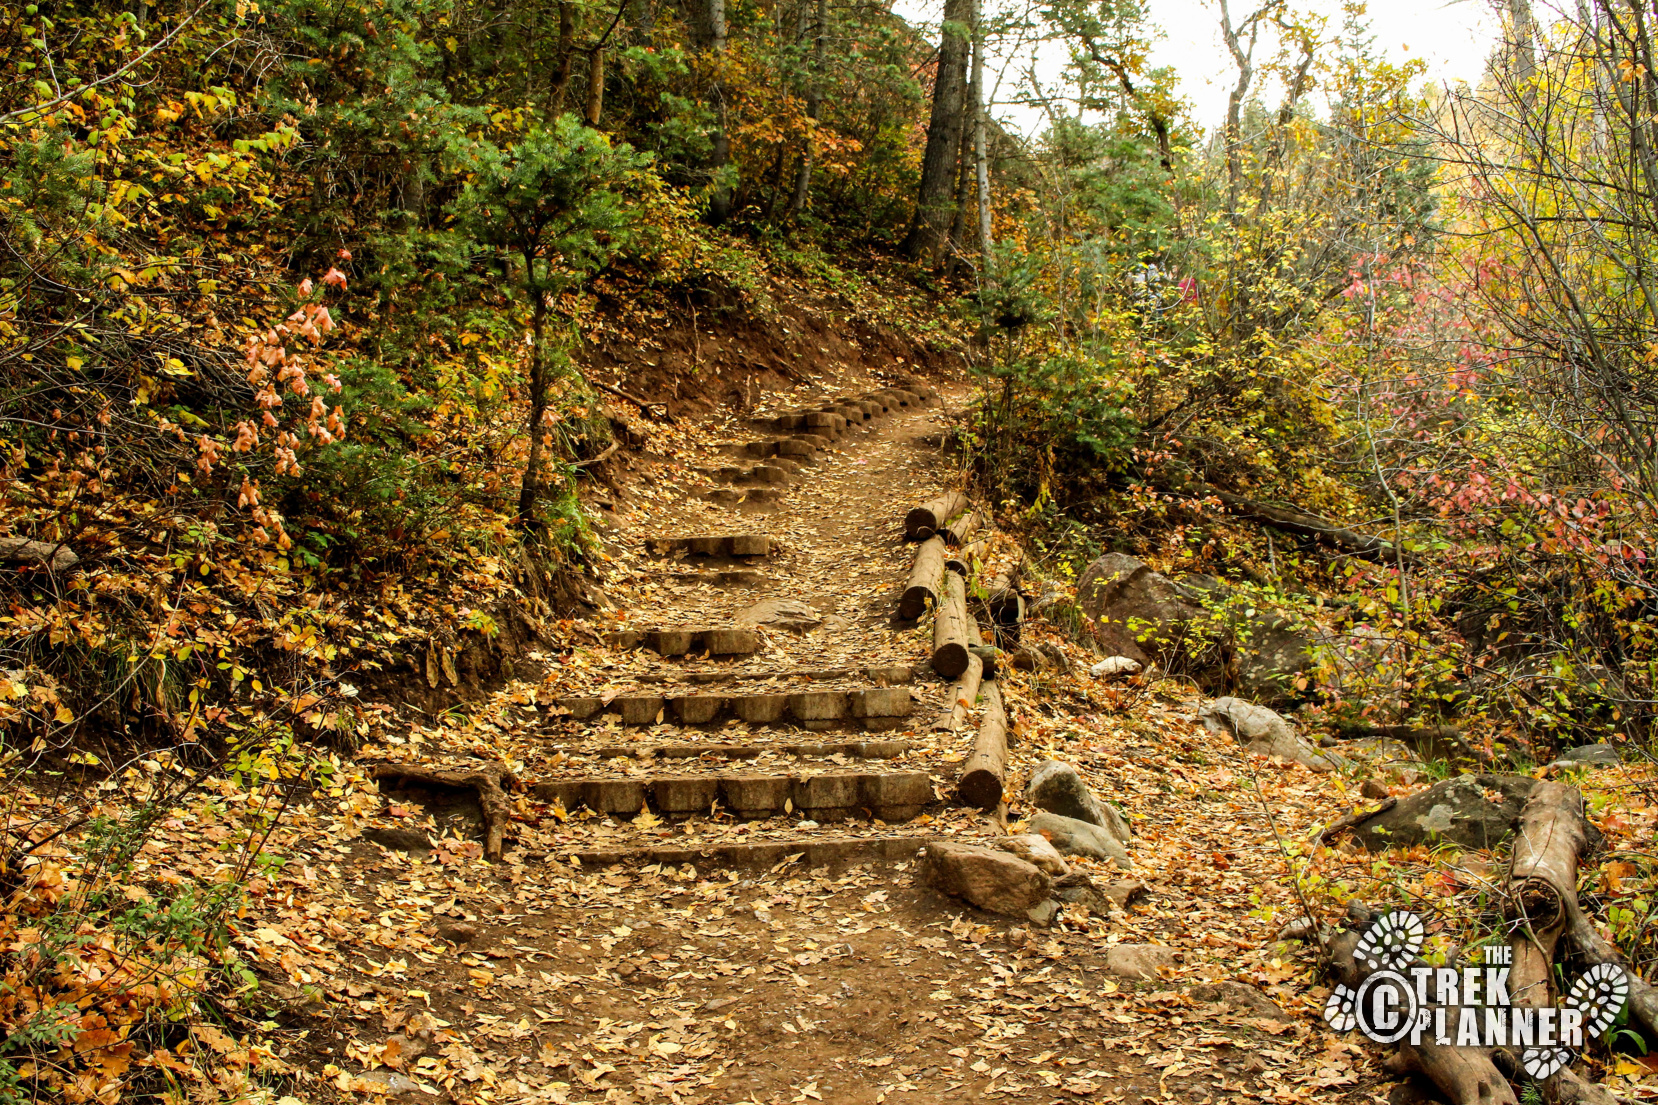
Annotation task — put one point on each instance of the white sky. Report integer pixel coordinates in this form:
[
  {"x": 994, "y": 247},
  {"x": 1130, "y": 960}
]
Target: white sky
[{"x": 1453, "y": 38}]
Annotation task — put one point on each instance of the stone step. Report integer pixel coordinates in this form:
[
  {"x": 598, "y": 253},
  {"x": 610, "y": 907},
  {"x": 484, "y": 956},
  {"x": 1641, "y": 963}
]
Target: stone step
[
  {"x": 729, "y": 641},
  {"x": 802, "y": 448},
  {"x": 761, "y": 498},
  {"x": 809, "y": 850},
  {"x": 751, "y": 796},
  {"x": 743, "y": 544},
  {"x": 753, "y": 475},
  {"x": 878, "y": 709},
  {"x": 726, "y": 750}
]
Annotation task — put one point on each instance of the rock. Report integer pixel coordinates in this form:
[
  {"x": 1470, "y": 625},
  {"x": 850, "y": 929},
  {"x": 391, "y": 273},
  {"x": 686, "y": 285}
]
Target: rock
[
  {"x": 398, "y": 839},
  {"x": 1042, "y": 656},
  {"x": 1134, "y": 611},
  {"x": 1240, "y": 996},
  {"x": 458, "y": 933},
  {"x": 1138, "y": 961},
  {"x": 1079, "y": 838},
  {"x": 989, "y": 878},
  {"x": 393, "y": 1082},
  {"x": 1116, "y": 665},
  {"x": 1078, "y": 889},
  {"x": 1372, "y": 788},
  {"x": 1058, "y": 787},
  {"x": 1263, "y": 732},
  {"x": 781, "y": 614},
  {"x": 1589, "y": 755},
  {"x": 1043, "y": 913},
  {"x": 57, "y": 557},
  {"x": 1034, "y": 848},
  {"x": 1472, "y": 811}
]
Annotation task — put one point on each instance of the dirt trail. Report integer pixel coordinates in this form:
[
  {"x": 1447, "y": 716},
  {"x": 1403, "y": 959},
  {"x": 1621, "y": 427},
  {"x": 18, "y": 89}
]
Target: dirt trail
[{"x": 791, "y": 957}]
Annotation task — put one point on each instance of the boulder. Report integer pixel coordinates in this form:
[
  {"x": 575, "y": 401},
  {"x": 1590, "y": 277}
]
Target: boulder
[
  {"x": 781, "y": 614},
  {"x": 1078, "y": 889},
  {"x": 994, "y": 880},
  {"x": 1079, "y": 838},
  {"x": 1058, "y": 788},
  {"x": 1034, "y": 848},
  {"x": 1138, "y": 961},
  {"x": 1588, "y": 755},
  {"x": 1134, "y": 611},
  {"x": 1042, "y": 914},
  {"x": 1472, "y": 811},
  {"x": 1113, "y": 666},
  {"x": 1263, "y": 732},
  {"x": 1241, "y": 997}
]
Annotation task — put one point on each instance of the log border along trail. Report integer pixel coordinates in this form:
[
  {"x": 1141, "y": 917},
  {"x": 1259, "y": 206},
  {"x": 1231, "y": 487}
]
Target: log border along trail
[{"x": 743, "y": 837}]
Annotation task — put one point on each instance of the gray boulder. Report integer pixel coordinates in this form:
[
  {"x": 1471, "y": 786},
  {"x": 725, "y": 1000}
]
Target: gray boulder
[
  {"x": 1058, "y": 788},
  {"x": 1262, "y": 731},
  {"x": 781, "y": 614},
  {"x": 1079, "y": 838},
  {"x": 1471, "y": 811},
  {"x": 1589, "y": 755},
  {"x": 1136, "y": 612},
  {"x": 1114, "y": 666},
  {"x": 1138, "y": 961},
  {"x": 1034, "y": 848},
  {"x": 989, "y": 878}
]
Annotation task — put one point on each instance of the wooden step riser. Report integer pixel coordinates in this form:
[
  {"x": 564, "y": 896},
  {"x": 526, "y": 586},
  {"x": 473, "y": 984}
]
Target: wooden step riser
[
  {"x": 877, "y": 708},
  {"x": 733, "y": 545},
  {"x": 833, "y": 853},
  {"x": 811, "y": 750},
  {"x": 683, "y": 642},
  {"x": 894, "y": 797}
]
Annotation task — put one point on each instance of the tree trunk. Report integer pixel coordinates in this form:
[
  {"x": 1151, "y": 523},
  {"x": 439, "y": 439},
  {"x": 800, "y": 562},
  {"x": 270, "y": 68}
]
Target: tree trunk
[
  {"x": 981, "y": 155},
  {"x": 933, "y": 206},
  {"x": 595, "y": 86},
  {"x": 719, "y": 201},
  {"x": 566, "y": 60},
  {"x": 531, "y": 487},
  {"x": 814, "y": 104}
]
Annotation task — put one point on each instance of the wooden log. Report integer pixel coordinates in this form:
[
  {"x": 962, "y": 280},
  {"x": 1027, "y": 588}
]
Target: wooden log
[
  {"x": 926, "y": 579},
  {"x": 1465, "y": 1075},
  {"x": 962, "y": 696},
  {"x": 1006, "y": 607},
  {"x": 1594, "y": 949},
  {"x": 984, "y": 770},
  {"x": 950, "y": 637},
  {"x": 486, "y": 779},
  {"x": 925, "y": 520},
  {"x": 964, "y": 559},
  {"x": 960, "y": 529},
  {"x": 1542, "y": 878}
]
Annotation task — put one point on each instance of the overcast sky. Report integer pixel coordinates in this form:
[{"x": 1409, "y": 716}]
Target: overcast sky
[{"x": 1453, "y": 38}]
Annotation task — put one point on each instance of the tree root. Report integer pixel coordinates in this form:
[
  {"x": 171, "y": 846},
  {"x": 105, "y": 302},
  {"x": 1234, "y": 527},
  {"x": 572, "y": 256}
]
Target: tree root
[{"x": 490, "y": 780}]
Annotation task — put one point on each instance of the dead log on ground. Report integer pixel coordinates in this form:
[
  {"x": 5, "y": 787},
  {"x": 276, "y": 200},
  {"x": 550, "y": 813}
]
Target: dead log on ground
[
  {"x": 926, "y": 519},
  {"x": 1006, "y": 607},
  {"x": 1593, "y": 948},
  {"x": 962, "y": 696},
  {"x": 1465, "y": 1075},
  {"x": 1542, "y": 877},
  {"x": 961, "y": 529},
  {"x": 926, "y": 577},
  {"x": 962, "y": 562},
  {"x": 488, "y": 780},
  {"x": 950, "y": 626},
  {"x": 983, "y": 773}
]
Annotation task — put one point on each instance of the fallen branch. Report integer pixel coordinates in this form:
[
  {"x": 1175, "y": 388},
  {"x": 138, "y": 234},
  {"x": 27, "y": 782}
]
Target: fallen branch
[
  {"x": 648, "y": 408},
  {"x": 1294, "y": 522},
  {"x": 614, "y": 445},
  {"x": 1593, "y": 948},
  {"x": 486, "y": 779},
  {"x": 1542, "y": 878},
  {"x": 1342, "y": 824}
]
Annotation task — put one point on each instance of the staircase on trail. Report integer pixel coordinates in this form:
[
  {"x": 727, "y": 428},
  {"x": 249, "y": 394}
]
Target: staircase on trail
[{"x": 709, "y": 739}]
